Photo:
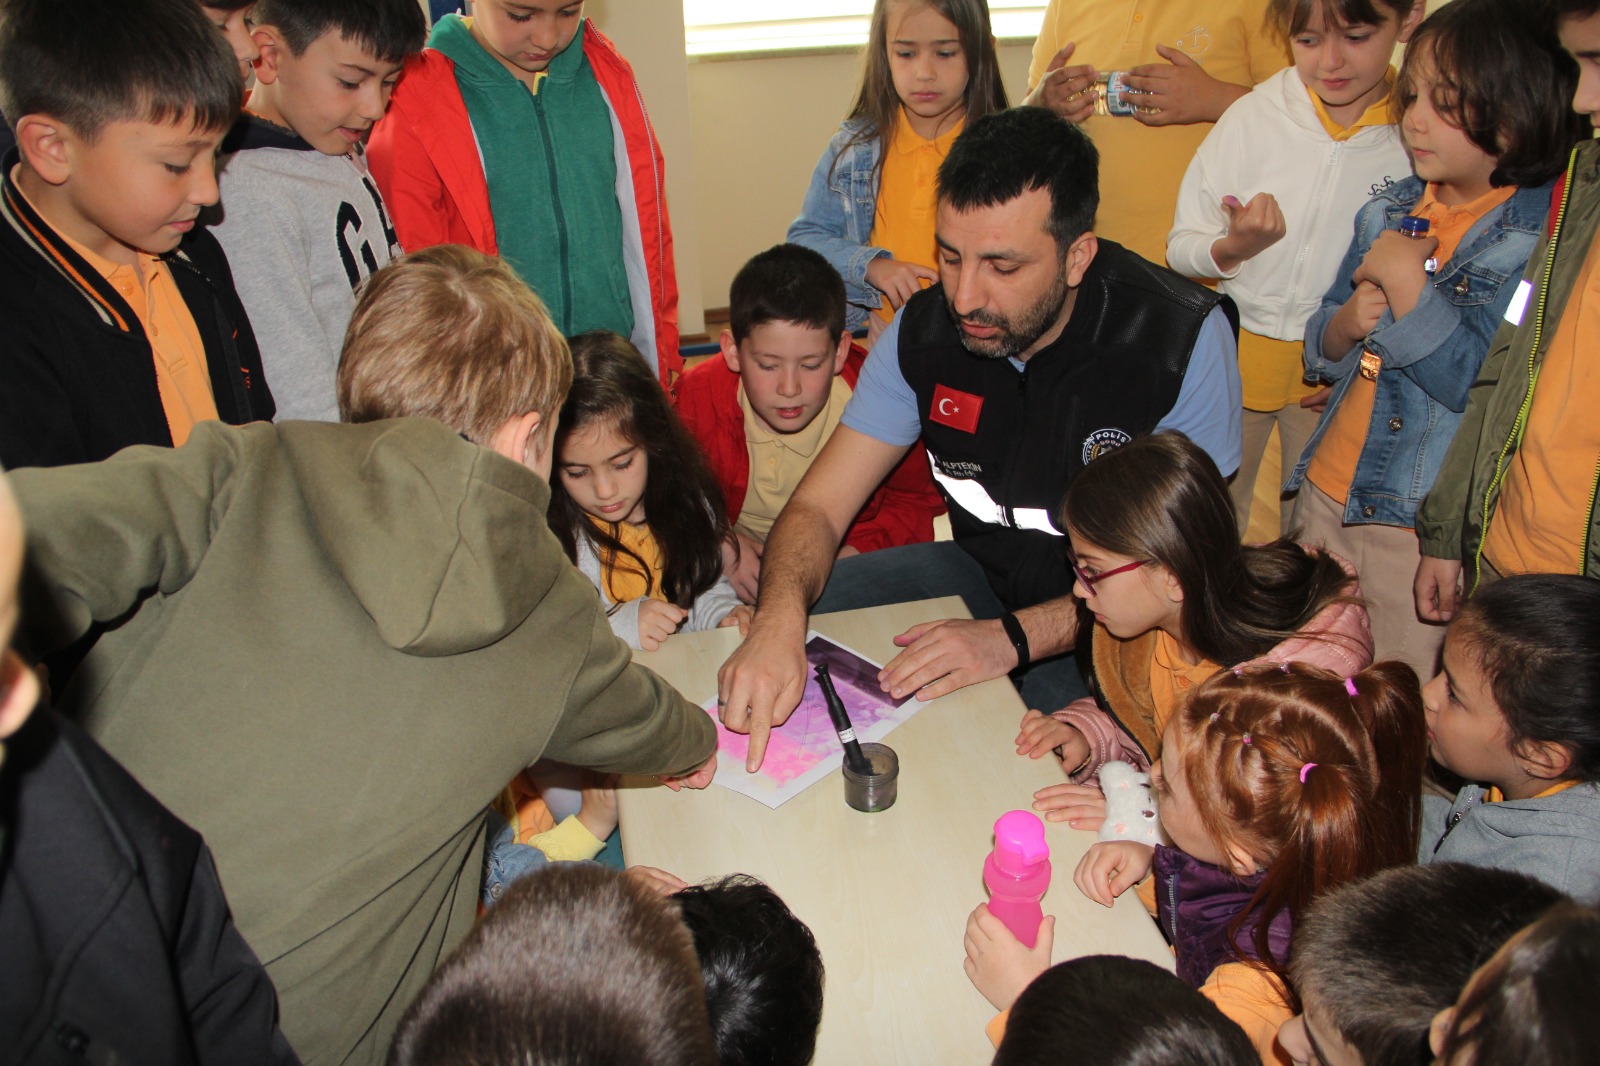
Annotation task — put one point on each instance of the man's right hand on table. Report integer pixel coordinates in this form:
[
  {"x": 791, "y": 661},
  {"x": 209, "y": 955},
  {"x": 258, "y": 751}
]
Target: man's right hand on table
[{"x": 761, "y": 683}]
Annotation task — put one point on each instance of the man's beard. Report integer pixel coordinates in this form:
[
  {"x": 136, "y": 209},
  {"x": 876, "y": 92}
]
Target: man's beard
[{"x": 1015, "y": 337}]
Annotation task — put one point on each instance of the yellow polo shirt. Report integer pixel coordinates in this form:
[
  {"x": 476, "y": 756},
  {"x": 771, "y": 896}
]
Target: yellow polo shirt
[
  {"x": 779, "y": 460},
  {"x": 903, "y": 223},
  {"x": 1142, "y": 166},
  {"x": 182, "y": 375}
]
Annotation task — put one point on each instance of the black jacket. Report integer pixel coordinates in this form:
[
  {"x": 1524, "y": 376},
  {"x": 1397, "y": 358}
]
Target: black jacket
[
  {"x": 77, "y": 375},
  {"x": 116, "y": 944},
  {"x": 1006, "y": 445}
]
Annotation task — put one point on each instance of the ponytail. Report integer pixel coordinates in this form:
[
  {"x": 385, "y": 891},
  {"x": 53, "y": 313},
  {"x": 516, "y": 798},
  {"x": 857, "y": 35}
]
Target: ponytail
[{"x": 1317, "y": 777}]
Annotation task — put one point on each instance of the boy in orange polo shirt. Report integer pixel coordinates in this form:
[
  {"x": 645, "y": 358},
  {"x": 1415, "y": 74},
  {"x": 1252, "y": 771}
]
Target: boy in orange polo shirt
[
  {"x": 763, "y": 411},
  {"x": 122, "y": 324},
  {"x": 1516, "y": 493}
]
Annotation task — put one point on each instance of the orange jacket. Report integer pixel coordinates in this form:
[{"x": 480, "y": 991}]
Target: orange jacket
[{"x": 426, "y": 162}]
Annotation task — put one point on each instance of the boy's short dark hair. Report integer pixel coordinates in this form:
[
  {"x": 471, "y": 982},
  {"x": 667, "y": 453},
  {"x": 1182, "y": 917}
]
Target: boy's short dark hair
[
  {"x": 392, "y": 30},
  {"x": 1291, "y": 16},
  {"x": 163, "y": 62},
  {"x": 762, "y": 972},
  {"x": 575, "y": 964},
  {"x": 1503, "y": 80},
  {"x": 786, "y": 283},
  {"x": 1115, "y": 1011},
  {"x": 226, "y": 5},
  {"x": 1004, "y": 154},
  {"x": 1379, "y": 958}
]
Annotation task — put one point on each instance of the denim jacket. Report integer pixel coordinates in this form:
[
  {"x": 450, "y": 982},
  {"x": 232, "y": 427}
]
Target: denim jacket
[
  {"x": 1430, "y": 356},
  {"x": 836, "y": 217}
]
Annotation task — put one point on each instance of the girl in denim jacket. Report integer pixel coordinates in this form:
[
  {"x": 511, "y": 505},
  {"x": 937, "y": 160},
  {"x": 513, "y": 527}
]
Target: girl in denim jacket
[
  {"x": 1401, "y": 333},
  {"x": 930, "y": 67}
]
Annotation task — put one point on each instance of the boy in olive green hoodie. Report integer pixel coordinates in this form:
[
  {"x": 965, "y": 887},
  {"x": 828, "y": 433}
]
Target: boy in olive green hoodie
[{"x": 333, "y": 644}]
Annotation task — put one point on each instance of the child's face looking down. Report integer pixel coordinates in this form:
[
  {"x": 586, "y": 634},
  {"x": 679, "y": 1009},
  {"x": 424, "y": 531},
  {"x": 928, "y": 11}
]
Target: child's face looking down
[
  {"x": 604, "y": 472},
  {"x": 1310, "y": 1041},
  {"x": 1580, "y": 36},
  {"x": 525, "y": 35},
  {"x": 331, "y": 94},
  {"x": 787, "y": 370},
  {"x": 1345, "y": 65},
  {"x": 137, "y": 186},
  {"x": 1467, "y": 733},
  {"x": 1440, "y": 151},
  {"x": 1175, "y": 803},
  {"x": 928, "y": 66}
]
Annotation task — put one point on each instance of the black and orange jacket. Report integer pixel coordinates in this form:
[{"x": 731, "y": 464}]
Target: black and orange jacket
[{"x": 77, "y": 373}]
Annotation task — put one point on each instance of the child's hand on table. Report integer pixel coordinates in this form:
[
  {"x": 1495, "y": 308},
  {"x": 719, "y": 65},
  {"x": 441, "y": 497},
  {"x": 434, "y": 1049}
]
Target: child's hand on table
[
  {"x": 658, "y": 881},
  {"x": 997, "y": 964},
  {"x": 1080, "y": 806},
  {"x": 658, "y": 620},
  {"x": 1111, "y": 867},
  {"x": 1041, "y": 734}
]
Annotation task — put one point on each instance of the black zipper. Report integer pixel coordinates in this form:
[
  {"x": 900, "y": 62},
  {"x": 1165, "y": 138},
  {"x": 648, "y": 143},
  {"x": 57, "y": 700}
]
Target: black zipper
[{"x": 562, "y": 240}]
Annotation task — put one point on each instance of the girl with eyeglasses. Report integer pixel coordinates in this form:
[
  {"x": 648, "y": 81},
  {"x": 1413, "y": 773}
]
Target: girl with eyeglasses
[{"x": 1169, "y": 598}]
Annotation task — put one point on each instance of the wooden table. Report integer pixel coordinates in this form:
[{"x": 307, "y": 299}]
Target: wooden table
[{"x": 887, "y": 895}]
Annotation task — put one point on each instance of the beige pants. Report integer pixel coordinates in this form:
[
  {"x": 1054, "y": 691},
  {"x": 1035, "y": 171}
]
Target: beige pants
[
  {"x": 1385, "y": 558},
  {"x": 1295, "y": 424}
]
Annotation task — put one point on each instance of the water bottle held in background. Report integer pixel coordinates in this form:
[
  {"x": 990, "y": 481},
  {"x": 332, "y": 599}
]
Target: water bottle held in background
[{"x": 1017, "y": 874}]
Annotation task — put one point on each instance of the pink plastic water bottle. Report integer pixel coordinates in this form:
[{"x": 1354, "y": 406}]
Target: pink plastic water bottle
[{"x": 1017, "y": 874}]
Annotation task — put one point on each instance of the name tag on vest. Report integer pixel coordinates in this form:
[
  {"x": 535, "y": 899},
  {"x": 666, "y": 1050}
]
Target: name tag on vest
[{"x": 958, "y": 410}]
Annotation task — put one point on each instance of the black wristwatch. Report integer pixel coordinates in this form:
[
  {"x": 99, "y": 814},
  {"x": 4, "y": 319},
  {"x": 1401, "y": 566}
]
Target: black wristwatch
[{"x": 1018, "y": 637}]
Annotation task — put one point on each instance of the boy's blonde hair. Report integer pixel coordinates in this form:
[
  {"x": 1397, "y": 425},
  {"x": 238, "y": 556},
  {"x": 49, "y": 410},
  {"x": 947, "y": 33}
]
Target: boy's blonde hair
[{"x": 451, "y": 334}]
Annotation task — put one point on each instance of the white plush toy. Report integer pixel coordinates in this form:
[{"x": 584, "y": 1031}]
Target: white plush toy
[{"x": 1130, "y": 812}]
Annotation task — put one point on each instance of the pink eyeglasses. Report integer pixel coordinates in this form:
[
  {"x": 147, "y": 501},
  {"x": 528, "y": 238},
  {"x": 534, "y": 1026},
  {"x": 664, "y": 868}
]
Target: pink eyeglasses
[{"x": 1089, "y": 581}]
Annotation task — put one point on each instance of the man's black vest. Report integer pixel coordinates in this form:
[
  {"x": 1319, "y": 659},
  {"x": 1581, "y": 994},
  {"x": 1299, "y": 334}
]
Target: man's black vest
[{"x": 1005, "y": 445}]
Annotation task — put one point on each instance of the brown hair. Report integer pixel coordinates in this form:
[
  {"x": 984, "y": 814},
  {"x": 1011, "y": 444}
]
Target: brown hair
[
  {"x": 451, "y": 334},
  {"x": 1161, "y": 498},
  {"x": 877, "y": 102},
  {"x": 1533, "y": 1003},
  {"x": 575, "y": 964},
  {"x": 1501, "y": 78},
  {"x": 1291, "y": 16},
  {"x": 1357, "y": 810},
  {"x": 683, "y": 504}
]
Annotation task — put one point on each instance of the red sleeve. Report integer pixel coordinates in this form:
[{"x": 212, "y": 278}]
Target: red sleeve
[
  {"x": 422, "y": 210},
  {"x": 704, "y": 395}
]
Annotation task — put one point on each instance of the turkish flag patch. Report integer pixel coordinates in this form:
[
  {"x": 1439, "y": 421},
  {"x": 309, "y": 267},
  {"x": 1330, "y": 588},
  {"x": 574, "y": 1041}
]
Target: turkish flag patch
[{"x": 958, "y": 410}]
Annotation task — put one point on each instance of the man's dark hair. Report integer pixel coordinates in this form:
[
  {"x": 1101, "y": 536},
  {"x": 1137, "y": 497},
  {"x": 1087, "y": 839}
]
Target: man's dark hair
[
  {"x": 575, "y": 964},
  {"x": 762, "y": 972},
  {"x": 163, "y": 62},
  {"x": 226, "y": 5},
  {"x": 392, "y": 30},
  {"x": 1501, "y": 78},
  {"x": 1379, "y": 958},
  {"x": 1113, "y": 1011},
  {"x": 1001, "y": 156},
  {"x": 786, "y": 283}
]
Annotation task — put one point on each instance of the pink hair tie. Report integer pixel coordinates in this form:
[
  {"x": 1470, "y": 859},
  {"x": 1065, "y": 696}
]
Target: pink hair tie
[
  {"x": 1350, "y": 687},
  {"x": 1304, "y": 770},
  {"x": 1214, "y": 716},
  {"x": 1245, "y": 739}
]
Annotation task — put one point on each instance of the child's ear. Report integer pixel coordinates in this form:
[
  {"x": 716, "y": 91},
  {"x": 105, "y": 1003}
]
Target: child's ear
[
  {"x": 1439, "y": 1027},
  {"x": 273, "y": 47},
  {"x": 843, "y": 353},
  {"x": 1545, "y": 760},
  {"x": 730, "y": 350},
  {"x": 1409, "y": 24},
  {"x": 519, "y": 440},
  {"x": 1171, "y": 585},
  {"x": 46, "y": 143},
  {"x": 1241, "y": 862}
]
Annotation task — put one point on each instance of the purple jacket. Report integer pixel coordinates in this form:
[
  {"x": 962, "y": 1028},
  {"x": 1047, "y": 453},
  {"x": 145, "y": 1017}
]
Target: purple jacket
[{"x": 1196, "y": 904}]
